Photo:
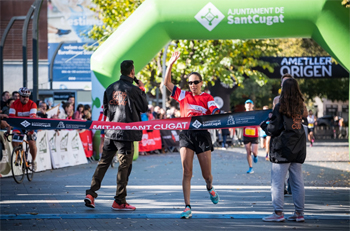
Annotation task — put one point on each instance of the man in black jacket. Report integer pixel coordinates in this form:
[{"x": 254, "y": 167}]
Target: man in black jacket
[{"x": 122, "y": 102}]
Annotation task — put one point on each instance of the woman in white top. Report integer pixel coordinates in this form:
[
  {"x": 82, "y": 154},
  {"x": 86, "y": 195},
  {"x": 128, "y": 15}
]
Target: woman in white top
[{"x": 311, "y": 122}]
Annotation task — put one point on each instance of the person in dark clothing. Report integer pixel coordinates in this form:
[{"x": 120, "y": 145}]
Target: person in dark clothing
[
  {"x": 4, "y": 97},
  {"x": 6, "y": 109},
  {"x": 287, "y": 150},
  {"x": 42, "y": 110},
  {"x": 122, "y": 102}
]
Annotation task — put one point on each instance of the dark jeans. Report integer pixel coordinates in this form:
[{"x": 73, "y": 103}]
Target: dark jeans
[
  {"x": 125, "y": 150},
  {"x": 224, "y": 138}
]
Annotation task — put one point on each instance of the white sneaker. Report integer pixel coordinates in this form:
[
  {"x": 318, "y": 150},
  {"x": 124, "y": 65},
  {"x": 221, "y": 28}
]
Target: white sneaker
[
  {"x": 296, "y": 217},
  {"x": 274, "y": 217},
  {"x": 34, "y": 166}
]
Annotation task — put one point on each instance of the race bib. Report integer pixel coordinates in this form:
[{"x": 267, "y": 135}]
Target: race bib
[
  {"x": 250, "y": 131},
  {"x": 311, "y": 125}
]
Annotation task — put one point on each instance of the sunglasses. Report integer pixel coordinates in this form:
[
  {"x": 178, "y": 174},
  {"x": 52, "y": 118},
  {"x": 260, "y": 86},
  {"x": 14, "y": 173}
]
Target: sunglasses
[
  {"x": 195, "y": 82},
  {"x": 24, "y": 96}
]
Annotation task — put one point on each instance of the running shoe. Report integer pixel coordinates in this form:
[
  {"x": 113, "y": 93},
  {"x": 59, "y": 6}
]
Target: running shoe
[
  {"x": 125, "y": 206},
  {"x": 89, "y": 201},
  {"x": 187, "y": 213},
  {"x": 33, "y": 165},
  {"x": 310, "y": 144},
  {"x": 255, "y": 158},
  {"x": 267, "y": 157},
  {"x": 214, "y": 197},
  {"x": 250, "y": 171},
  {"x": 274, "y": 217},
  {"x": 296, "y": 217}
]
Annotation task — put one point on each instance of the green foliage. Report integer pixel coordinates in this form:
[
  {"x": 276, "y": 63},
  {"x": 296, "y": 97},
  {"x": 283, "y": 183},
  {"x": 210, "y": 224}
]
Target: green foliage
[
  {"x": 112, "y": 13},
  {"x": 261, "y": 95},
  {"x": 346, "y": 3},
  {"x": 229, "y": 60}
]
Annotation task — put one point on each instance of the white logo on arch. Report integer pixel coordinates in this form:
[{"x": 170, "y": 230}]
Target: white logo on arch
[{"x": 209, "y": 16}]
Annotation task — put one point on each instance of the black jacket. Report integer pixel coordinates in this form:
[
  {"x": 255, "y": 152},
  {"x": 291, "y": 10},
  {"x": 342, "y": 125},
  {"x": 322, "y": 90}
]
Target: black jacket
[
  {"x": 123, "y": 102},
  {"x": 288, "y": 140}
]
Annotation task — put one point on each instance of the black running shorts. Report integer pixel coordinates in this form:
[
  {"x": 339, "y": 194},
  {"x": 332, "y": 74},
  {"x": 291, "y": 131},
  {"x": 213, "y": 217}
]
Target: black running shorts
[
  {"x": 198, "y": 140},
  {"x": 253, "y": 140}
]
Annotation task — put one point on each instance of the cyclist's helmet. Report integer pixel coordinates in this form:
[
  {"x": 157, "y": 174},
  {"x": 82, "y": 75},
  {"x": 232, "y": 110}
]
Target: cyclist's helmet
[{"x": 23, "y": 91}]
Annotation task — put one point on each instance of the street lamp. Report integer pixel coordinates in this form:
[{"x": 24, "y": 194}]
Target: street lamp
[{"x": 164, "y": 70}]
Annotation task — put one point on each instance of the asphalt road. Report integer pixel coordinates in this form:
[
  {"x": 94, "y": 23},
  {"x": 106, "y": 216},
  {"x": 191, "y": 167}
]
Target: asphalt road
[{"x": 54, "y": 199}]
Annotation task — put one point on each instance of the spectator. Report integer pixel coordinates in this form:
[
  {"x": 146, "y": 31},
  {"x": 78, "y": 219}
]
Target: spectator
[
  {"x": 87, "y": 115},
  {"x": 150, "y": 112},
  {"x": 49, "y": 103},
  {"x": 265, "y": 139},
  {"x": 342, "y": 130},
  {"x": 68, "y": 110},
  {"x": 15, "y": 95},
  {"x": 172, "y": 112},
  {"x": 156, "y": 112},
  {"x": 177, "y": 113},
  {"x": 161, "y": 114},
  {"x": 78, "y": 114},
  {"x": 144, "y": 116},
  {"x": 6, "y": 109},
  {"x": 42, "y": 110},
  {"x": 62, "y": 114},
  {"x": 5, "y": 96},
  {"x": 168, "y": 114},
  {"x": 71, "y": 99},
  {"x": 87, "y": 109},
  {"x": 288, "y": 150},
  {"x": 38, "y": 102}
]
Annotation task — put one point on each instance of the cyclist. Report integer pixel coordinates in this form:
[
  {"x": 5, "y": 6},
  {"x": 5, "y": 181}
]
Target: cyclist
[{"x": 24, "y": 107}]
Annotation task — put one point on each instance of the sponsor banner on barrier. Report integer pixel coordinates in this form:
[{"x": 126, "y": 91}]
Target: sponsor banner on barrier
[
  {"x": 43, "y": 158},
  {"x": 75, "y": 147},
  {"x": 66, "y": 149},
  {"x": 184, "y": 123},
  {"x": 86, "y": 140},
  {"x": 5, "y": 166},
  {"x": 151, "y": 141}
]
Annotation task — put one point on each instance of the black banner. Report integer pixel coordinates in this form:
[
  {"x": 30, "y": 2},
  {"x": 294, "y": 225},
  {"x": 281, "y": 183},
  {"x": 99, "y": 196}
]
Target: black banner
[{"x": 305, "y": 67}]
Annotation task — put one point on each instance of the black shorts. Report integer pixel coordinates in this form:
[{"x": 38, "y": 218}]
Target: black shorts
[
  {"x": 121, "y": 147},
  {"x": 253, "y": 140},
  {"x": 310, "y": 130},
  {"x": 198, "y": 140}
]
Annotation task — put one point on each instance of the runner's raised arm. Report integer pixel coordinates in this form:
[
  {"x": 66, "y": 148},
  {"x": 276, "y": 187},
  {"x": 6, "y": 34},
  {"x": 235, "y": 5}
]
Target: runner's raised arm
[{"x": 167, "y": 80}]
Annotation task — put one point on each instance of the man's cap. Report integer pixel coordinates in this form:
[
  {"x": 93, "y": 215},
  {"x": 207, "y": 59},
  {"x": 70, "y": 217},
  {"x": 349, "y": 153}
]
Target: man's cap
[{"x": 249, "y": 101}]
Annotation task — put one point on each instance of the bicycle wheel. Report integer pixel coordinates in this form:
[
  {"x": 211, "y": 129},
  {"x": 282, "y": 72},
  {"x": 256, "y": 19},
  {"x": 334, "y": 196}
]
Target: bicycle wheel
[
  {"x": 17, "y": 165},
  {"x": 30, "y": 171}
]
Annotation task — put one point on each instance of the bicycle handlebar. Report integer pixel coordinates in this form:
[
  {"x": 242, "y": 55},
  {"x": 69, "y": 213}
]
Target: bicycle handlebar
[{"x": 6, "y": 134}]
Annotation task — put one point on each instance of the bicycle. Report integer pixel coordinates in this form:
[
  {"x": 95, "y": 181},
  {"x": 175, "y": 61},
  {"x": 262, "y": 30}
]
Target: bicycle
[{"x": 19, "y": 159}]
